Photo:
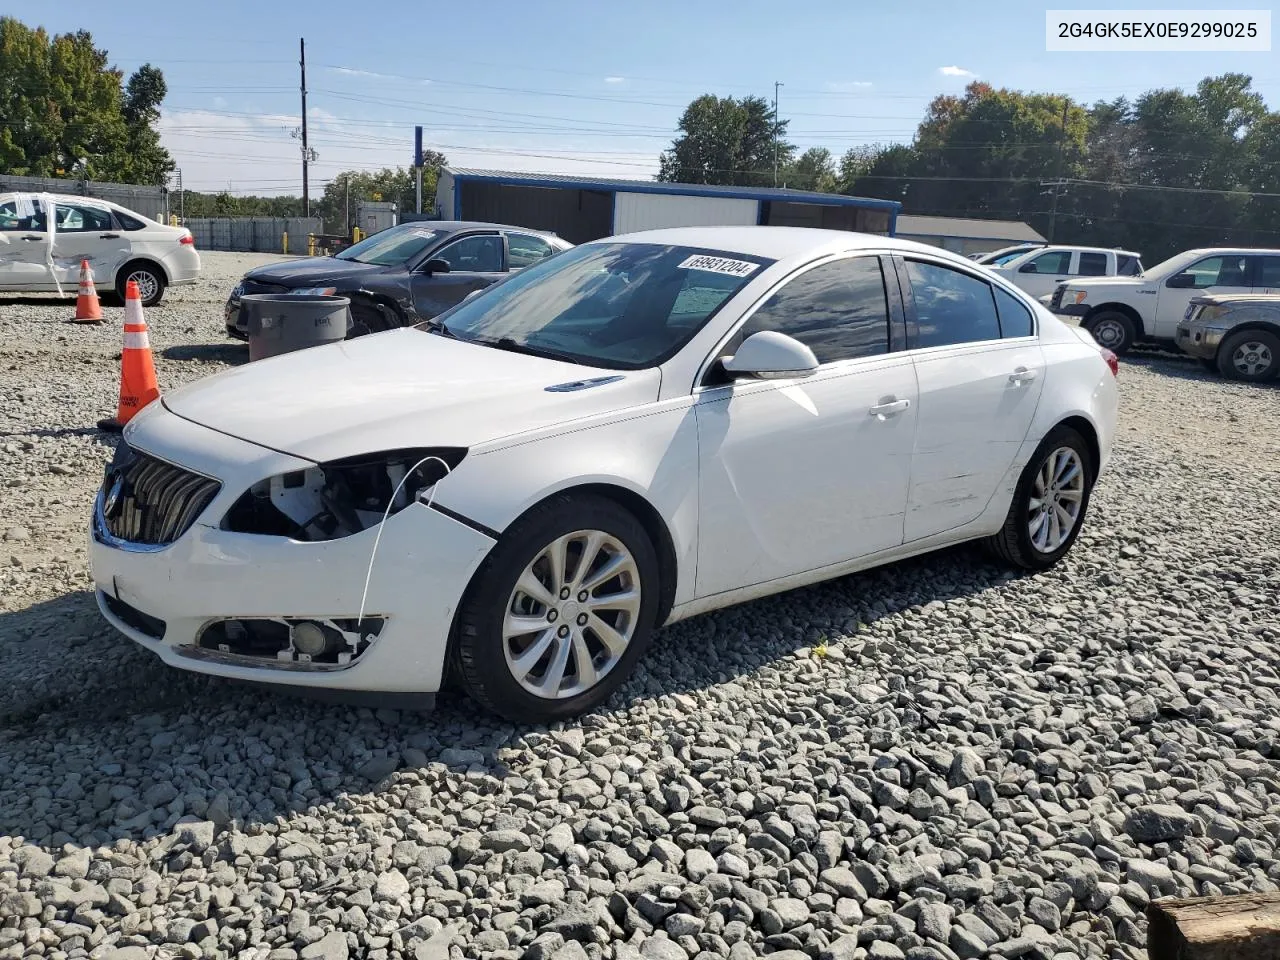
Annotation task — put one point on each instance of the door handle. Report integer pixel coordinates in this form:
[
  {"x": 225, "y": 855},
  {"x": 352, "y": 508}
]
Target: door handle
[
  {"x": 889, "y": 408},
  {"x": 36, "y": 237},
  {"x": 108, "y": 236},
  {"x": 1023, "y": 375}
]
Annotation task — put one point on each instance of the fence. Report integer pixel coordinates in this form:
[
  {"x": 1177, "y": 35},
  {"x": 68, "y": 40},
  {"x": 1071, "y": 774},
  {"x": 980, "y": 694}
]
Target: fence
[
  {"x": 152, "y": 202},
  {"x": 252, "y": 234}
]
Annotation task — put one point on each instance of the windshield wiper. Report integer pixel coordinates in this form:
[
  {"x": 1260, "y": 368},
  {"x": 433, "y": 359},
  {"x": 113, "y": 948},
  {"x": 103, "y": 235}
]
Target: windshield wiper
[
  {"x": 436, "y": 326},
  {"x": 514, "y": 346}
]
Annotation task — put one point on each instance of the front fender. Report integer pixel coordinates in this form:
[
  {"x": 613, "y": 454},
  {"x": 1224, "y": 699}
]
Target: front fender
[{"x": 653, "y": 455}]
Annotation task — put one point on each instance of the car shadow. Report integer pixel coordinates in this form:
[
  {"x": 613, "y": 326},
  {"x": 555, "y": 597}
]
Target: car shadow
[
  {"x": 230, "y": 353},
  {"x": 128, "y": 745}
]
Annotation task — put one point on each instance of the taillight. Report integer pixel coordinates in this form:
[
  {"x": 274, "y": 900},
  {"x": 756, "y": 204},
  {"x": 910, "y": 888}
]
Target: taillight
[
  {"x": 187, "y": 240},
  {"x": 1112, "y": 361}
]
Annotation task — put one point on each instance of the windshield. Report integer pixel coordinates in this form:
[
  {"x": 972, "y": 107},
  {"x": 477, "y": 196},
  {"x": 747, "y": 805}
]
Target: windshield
[
  {"x": 999, "y": 260},
  {"x": 623, "y": 306},
  {"x": 391, "y": 247},
  {"x": 1175, "y": 264}
]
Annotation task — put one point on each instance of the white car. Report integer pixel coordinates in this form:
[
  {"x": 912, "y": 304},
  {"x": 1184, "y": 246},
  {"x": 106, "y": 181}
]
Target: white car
[
  {"x": 639, "y": 429},
  {"x": 1039, "y": 271},
  {"x": 120, "y": 245},
  {"x": 1120, "y": 311}
]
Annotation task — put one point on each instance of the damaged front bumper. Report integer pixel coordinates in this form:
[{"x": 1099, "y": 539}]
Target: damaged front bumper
[{"x": 272, "y": 609}]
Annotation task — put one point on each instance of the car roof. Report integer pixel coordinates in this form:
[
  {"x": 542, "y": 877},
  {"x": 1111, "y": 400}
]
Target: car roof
[
  {"x": 459, "y": 226},
  {"x": 60, "y": 197},
  {"x": 1240, "y": 251},
  {"x": 781, "y": 243}
]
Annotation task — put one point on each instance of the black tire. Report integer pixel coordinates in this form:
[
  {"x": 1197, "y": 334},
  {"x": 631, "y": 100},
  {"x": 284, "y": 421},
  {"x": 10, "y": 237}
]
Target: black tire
[
  {"x": 1113, "y": 330},
  {"x": 367, "y": 317},
  {"x": 477, "y": 652},
  {"x": 1013, "y": 544},
  {"x": 1262, "y": 346},
  {"x": 151, "y": 291}
]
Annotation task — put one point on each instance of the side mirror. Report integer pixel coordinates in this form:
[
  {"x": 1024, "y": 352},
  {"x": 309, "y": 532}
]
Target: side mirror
[
  {"x": 436, "y": 266},
  {"x": 1028, "y": 268},
  {"x": 769, "y": 355},
  {"x": 1181, "y": 281}
]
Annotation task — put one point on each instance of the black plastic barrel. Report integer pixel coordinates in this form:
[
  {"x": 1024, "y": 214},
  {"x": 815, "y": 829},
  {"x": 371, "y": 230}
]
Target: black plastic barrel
[{"x": 281, "y": 322}]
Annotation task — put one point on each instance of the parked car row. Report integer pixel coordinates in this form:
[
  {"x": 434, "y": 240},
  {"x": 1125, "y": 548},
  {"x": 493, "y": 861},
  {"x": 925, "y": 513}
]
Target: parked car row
[{"x": 39, "y": 255}]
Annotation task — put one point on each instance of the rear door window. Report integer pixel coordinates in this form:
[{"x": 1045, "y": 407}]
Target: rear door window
[
  {"x": 951, "y": 307},
  {"x": 524, "y": 249},
  {"x": 1092, "y": 264}
]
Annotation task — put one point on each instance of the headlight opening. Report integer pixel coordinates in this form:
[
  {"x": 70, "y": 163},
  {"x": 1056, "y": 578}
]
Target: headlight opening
[{"x": 342, "y": 497}]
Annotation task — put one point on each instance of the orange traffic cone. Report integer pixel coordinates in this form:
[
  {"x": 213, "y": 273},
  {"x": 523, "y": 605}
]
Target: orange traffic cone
[
  {"x": 88, "y": 310},
  {"x": 138, "y": 385}
]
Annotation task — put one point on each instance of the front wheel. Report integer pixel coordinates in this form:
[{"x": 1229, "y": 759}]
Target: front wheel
[
  {"x": 369, "y": 318},
  {"x": 1113, "y": 330},
  {"x": 559, "y": 612},
  {"x": 1049, "y": 503},
  {"x": 1251, "y": 355}
]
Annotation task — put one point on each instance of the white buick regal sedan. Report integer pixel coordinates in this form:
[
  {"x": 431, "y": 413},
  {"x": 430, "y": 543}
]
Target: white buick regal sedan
[{"x": 639, "y": 429}]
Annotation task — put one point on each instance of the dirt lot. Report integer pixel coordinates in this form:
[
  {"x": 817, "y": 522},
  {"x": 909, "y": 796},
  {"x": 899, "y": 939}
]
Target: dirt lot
[{"x": 932, "y": 761}]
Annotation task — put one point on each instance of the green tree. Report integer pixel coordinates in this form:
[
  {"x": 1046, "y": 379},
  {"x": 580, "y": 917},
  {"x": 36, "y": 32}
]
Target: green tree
[
  {"x": 724, "y": 140},
  {"x": 397, "y": 185},
  {"x": 64, "y": 110},
  {"x": 814, "y": 170}
]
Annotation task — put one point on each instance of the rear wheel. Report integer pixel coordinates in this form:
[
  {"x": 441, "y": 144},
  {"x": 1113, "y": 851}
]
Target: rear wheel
[
  {"x": 559, "y": 612},
  {"x": 1113, "y": 330},
  {"x": 148, "y": 277},
  {"x": 1252, "y": 355},
  {"x": 1049, "y": 503}
]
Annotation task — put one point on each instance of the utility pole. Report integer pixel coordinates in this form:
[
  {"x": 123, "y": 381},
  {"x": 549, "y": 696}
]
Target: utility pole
[
  {"x": 346, "y": 223},
  {"x": 1058, "y": 181},
  {"x": 776, "y": 85},
  {"x": 417, "y": 166},
  {"x": 302, "y": 64},
  {"x": 182, "y": 216}
]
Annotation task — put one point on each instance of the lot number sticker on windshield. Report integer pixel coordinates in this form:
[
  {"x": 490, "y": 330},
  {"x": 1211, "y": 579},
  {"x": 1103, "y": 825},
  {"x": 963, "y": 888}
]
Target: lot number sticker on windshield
[{"x": 731, "y": 268}]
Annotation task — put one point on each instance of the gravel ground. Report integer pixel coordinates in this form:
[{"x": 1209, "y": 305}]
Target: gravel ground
[{"x": 934, "y": 760}]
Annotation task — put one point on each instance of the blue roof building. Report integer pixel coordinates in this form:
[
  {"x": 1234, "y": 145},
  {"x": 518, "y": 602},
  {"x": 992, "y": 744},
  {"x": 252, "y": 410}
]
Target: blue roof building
[{"x": 587, "y": 208}]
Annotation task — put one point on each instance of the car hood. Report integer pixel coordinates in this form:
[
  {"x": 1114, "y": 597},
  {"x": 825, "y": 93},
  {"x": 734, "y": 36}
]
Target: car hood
[
  {"x": 315, "y": 270},
  {"x": 402, "y": 388}
]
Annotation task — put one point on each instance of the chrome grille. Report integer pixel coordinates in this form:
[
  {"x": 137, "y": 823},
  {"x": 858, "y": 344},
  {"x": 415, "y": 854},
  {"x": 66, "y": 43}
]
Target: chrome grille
[{"x": 148, "y": 501}]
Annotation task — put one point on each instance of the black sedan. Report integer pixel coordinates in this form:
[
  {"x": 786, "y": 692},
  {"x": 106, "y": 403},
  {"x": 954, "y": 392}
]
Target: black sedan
[{"x": 405, "y": 274}]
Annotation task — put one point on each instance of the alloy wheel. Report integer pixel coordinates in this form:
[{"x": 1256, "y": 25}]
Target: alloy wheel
[
  {"x": 1056, "y": 497},
  {"x": 572, "y": 614},
  {"x": 1252, "y": 358},
  {"x": 146, "y": 282}
]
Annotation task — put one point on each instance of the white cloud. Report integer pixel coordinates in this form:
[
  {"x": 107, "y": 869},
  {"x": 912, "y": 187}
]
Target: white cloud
[
  {"x": 848, "y": 86},
  {"x": 255, "y": 153},
  {"x": 615, "y": 79},
  {"x": 956, "y": 72},
  {"x": 353, "y": 72}
]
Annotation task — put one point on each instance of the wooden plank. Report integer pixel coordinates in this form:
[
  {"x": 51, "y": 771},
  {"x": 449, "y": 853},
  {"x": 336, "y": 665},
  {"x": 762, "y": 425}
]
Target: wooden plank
[{"x": 1240, "y": 927}]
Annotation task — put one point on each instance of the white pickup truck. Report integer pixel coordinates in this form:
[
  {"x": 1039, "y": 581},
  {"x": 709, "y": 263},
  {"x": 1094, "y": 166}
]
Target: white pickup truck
[
  {"x": 1120, "y": 311},
  {"x": 1039, "y": 270}
]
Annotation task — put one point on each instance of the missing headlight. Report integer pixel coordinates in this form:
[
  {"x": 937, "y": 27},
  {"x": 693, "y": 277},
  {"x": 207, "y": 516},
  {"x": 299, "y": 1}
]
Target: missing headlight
[{"x": 340, "y": 498}]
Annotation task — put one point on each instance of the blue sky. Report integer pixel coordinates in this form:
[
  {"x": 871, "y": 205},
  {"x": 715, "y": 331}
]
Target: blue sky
[{"x": 574, "y": 87}]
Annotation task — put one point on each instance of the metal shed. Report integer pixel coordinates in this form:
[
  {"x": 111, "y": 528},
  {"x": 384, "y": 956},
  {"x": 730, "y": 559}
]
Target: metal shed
[
  {"x": 964, "y": 235},
  {"x": 587, "y": 208}
]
